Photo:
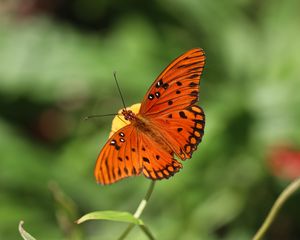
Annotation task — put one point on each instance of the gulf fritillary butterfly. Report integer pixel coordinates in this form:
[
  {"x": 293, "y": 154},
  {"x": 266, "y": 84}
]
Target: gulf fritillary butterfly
[{"x": 166, "y": 123}]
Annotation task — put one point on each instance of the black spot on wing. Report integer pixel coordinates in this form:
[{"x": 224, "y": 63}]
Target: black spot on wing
[
  {"x": 150, "y": 96},
  {"x": 194, "y": 101},
  {"x": 193, "y": 84},
  {"x": 146, "y": 160},
  {"x": 119, "y": 172},
  {"x": 165, "y": 85},
  {"x": 182, "y": 115},
  {"x": 159, "y": 83},
  {"x": 194, "y": 76},
  {"x": 194, "y": 93},
  {"x": 122, "y": 134}
]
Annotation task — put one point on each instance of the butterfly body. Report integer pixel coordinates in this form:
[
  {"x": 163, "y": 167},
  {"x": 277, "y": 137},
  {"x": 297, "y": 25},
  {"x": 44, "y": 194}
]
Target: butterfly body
[
  {"x": 144, "y": 126},
  {"x": 166, "y": 124}
]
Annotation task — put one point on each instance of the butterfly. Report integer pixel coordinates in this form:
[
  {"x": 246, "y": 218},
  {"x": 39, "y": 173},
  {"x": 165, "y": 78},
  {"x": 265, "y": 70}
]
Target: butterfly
[{"x": 166, "y": 124}]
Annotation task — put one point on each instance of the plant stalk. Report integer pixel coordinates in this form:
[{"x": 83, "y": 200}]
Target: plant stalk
[
  {"x": 138, "y": 213},
  {"x": 283, "y": 197}
]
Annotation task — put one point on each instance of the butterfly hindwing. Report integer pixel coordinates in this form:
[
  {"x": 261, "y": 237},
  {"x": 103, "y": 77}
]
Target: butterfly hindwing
[
  {"x": 158, "y": 163},
  {"x": 183, "y": 129},
  {"x": 177, "y": 87},
  {"x": 119, "y": 157}
]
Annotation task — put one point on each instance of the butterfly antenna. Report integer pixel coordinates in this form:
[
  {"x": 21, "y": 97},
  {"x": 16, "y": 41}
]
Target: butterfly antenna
[
  {"x": 115, "y": 76},
  {"x": 121, "y": 119},
  {"x": 99, "y": 115}
]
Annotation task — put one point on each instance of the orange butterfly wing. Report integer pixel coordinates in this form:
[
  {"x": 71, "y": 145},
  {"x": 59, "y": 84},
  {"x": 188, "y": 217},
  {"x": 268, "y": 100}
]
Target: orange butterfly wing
[
  {"x": 157, "y": 162},
  {"x": 119, "y": 158},
  {"x": 129, "y": 152},
  {"x": 183, "y": 129},
  {"x": 177, "y": 87},
  {"x": 169, "y": 103}
]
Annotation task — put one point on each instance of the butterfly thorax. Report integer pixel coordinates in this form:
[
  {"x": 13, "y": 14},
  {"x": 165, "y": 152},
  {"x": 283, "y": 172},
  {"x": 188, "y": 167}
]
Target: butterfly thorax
[{"x": 136, "y": 119}]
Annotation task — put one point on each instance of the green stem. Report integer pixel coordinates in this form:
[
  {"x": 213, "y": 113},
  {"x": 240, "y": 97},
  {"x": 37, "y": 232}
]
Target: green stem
[
  {"x": 283, "y": 197},
  {"x": 138, "y": 213},
  {"x": 147, "y": 232}
]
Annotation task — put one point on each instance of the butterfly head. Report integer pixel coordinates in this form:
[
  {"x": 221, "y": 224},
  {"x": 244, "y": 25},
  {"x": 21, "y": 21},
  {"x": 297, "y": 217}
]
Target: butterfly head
[{"x": 128, "y": 115}]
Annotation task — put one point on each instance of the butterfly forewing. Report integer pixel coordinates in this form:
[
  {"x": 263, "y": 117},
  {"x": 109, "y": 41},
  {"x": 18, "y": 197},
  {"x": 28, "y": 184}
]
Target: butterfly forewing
[
  {"x": 119, "y": 157},
  {"x": 177, "y": 87},
  {"x": 169, "y": 103}
]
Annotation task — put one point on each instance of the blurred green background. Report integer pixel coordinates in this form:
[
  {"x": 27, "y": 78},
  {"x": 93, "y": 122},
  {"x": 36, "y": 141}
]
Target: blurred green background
[{"x": 56, "y": 63}]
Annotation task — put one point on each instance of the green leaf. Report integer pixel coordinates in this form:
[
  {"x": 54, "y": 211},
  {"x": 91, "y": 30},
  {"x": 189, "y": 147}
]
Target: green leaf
[
  {"x": 25, "y": 235},
  {"x": 112, "y": 216}
]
